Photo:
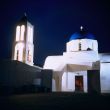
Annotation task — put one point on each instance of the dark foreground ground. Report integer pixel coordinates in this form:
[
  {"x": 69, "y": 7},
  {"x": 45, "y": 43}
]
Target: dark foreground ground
[{"x": 55, "y": 101}]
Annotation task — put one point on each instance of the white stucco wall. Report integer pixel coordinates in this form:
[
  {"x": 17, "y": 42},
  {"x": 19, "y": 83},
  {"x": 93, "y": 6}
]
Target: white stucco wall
[
  {"x": 81, "y": 56},
  {"x": 105, "y": 77},
  {"x": 85, "y": 44},
  {"x": 68, "y": 80}
]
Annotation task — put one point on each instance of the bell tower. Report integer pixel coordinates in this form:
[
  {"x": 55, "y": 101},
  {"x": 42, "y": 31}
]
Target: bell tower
[{"x": 23, "y": 47}]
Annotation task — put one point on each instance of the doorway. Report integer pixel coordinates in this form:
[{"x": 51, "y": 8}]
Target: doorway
[{"x": 79, "y": 84}]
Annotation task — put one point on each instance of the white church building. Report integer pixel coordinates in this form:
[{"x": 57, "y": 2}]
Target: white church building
[{"x": 81, "y": 68}]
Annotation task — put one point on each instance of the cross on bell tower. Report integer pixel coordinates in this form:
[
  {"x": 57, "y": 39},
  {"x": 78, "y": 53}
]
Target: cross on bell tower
[{"x": 23, "y": 47}]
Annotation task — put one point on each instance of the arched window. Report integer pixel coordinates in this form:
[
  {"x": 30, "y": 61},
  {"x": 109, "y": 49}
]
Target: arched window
[
  {"x": 17, "y": 33},
  {"x": 18, "y": 55},
  {"x": 20, "y": 31}
]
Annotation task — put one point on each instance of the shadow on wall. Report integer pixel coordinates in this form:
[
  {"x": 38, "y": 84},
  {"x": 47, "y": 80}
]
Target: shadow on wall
[{"x": 19, "y": 78}]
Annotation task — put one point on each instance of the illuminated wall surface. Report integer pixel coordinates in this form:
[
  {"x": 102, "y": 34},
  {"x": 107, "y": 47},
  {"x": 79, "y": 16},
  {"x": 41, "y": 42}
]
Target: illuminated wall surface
[
  {"x": 105, "y": 77},
  {"x": 68, "y": 80},
  {"x": 81, "y": 55},
  {"x": 105, "y": 71},
  {"x": 85, "y": 44}
]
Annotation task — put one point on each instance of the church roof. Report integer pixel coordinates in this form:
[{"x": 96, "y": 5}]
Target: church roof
[
  {"x": 24, "y": 19},
  {"x": 81, "y": 35}
]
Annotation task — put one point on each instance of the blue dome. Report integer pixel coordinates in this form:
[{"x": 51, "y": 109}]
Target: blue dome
[{"x": 81, "y": 36}]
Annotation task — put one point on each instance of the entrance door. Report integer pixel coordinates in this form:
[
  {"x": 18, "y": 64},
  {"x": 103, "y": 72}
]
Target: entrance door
[{"x": 79, "y": 84}]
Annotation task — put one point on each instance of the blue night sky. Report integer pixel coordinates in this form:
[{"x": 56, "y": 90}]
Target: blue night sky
[{"x": 54, "y": 22}]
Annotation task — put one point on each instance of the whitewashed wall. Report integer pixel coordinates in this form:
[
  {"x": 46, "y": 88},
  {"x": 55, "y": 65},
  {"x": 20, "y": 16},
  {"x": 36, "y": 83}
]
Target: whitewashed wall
[
  {"x": 68, "y": 80},
  {"x": 105, "y": 77}
]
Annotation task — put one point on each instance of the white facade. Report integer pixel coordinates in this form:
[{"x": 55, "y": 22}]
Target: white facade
[
  {"x": 73, "y": 45},
  {"x": 105, "y": 72},
  {"x": 81, "y": 55}
]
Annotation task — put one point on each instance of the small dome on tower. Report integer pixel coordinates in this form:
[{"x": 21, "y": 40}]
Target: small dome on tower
[{"x": 81, "y": 35}]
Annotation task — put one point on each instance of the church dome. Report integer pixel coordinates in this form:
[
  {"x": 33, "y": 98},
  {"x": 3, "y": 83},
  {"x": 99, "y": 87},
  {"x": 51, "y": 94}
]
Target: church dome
[{"x": 81, "y": 35}]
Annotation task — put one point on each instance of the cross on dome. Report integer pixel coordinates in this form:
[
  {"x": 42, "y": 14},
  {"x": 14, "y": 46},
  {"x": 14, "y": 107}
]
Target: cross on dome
[{"x": 81, "y": 28}]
